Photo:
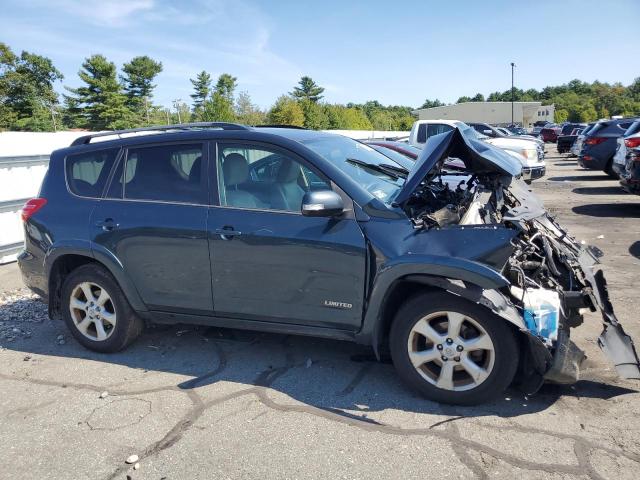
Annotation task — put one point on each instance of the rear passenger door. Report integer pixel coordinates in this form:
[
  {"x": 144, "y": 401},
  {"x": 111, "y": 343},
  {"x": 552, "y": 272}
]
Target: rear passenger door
[{"x": 153, "y": 223}]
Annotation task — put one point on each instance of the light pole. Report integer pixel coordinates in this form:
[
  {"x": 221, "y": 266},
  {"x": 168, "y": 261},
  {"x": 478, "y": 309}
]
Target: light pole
[{"x": 512, "y": 91}]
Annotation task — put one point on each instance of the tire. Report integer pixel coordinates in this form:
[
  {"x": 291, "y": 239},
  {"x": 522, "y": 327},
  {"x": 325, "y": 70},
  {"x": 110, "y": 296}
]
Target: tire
[
  {"x": 120, "y": 325},
  {"x": 495, "y": 365}
]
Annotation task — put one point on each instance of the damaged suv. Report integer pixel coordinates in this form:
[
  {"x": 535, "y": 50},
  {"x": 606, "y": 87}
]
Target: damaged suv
[{"x": 461, "y": 276}]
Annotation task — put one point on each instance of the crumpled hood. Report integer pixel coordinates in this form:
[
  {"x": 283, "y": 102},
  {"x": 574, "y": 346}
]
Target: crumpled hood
[{"x": 479, "y": 158}]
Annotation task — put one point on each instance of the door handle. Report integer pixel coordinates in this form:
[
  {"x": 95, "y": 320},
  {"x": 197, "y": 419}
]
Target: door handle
[
  {"x": 107, "y": 224},
  {"x": 227, "y": 232}
]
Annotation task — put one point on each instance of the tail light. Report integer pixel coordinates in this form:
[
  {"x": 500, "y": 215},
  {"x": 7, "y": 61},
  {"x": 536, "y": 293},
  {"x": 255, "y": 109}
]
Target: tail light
[
  {"x": 31, "y": 207},
  {"x": 632, "y": 142},
  {"x": 594, "y": 140}
]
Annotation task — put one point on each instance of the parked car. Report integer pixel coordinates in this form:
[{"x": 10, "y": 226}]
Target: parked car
[
  {"x": 328, "y": 238},
  {"x": 518, "y": 131},
  {"x": 549, "y": 134},
  {"x": 495, "y": 132},
  {"x": 626, "y": 161},
  {"x": 403, "y": 148},
  {"x": 577, "y": 145},
  {"x": 599, "y": 145},
  {"x": 401, "y": 151},
  {"x": 565, "y": 142},
  {"x": 529, "y": 153}
]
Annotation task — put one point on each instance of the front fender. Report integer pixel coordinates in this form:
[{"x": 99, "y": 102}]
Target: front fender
[{"x": 471, "y": 280}]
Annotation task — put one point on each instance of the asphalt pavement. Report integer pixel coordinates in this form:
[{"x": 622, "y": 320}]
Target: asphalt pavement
[{"x": 206, "y": 403}]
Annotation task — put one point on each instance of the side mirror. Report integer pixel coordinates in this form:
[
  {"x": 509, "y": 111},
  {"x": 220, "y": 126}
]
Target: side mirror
[{"x": 322, "y": 203}]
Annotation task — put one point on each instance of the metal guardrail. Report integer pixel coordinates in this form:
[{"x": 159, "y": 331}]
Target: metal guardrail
[{"x": 23, "y": 161}]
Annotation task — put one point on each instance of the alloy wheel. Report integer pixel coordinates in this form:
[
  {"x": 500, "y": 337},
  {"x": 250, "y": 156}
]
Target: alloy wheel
[
  {"x": 92, "y": 311},
  {"x": 451, "y": 351}
]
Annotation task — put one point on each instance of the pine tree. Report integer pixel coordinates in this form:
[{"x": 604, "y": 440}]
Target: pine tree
[
  {"x": 138, "y": 83},
  {"x": 202, "y": 88},
  {"x": 307, "y": 89},
  {"x": 102, "y": 103}
]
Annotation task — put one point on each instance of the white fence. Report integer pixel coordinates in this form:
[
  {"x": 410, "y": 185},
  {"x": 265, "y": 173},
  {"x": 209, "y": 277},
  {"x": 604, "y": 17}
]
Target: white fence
[{"x": 24, "y": 159}]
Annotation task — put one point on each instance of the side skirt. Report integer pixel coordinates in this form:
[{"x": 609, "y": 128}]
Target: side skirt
[{"x": 242, "y": 324}]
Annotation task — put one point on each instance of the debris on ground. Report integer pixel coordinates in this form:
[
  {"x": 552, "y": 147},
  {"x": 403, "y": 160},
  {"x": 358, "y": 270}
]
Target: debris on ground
[
  {"x": 104, "y": 394},
  {"x": 132, "y": 459}
]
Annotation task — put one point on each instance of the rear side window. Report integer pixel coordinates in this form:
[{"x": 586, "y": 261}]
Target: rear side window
[
  {"x": 437, "y": 128},
  {"x": 87, "y": 173},
  {"x": 167, "y": 173}
]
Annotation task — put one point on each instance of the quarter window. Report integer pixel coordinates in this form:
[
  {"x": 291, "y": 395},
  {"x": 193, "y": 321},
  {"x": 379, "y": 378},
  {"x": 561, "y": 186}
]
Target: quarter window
[
  {"x": 253, "y": 177},
  {"x": 87, "y": 173},
  {"x": 437, "y": 128},
  {"x": 169, "y": 173}
]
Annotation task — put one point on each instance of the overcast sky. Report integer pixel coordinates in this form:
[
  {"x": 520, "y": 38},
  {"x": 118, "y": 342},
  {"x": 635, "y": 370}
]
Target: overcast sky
[{"x": 394, "y": 52}]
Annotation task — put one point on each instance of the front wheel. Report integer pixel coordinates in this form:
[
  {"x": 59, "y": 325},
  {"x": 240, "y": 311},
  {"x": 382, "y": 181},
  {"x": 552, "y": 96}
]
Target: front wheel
[{"x": 451, "y": 350}]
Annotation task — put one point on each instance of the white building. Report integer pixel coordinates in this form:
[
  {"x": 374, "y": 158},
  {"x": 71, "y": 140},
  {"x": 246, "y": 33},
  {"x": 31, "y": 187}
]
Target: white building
[{"x": 495, "y": 113}]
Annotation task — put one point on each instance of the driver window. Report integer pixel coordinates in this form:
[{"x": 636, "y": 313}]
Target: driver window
[{"x": 257, "y": 178}]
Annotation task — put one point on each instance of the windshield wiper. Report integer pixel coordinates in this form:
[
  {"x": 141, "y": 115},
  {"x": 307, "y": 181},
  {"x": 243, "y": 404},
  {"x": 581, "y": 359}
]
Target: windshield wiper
[{"x": 390, "y": 170}]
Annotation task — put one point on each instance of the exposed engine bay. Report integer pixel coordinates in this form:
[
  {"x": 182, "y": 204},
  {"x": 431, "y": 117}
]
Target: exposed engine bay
[{"x": 553, "y": 279}]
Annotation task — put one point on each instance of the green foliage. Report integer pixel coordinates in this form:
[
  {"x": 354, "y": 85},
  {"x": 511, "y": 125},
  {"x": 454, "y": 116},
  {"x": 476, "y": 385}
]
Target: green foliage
[
  {"x": 246, "y": 112},
  {"x": 346, "y": 118},
  {"x": 307, "y": 89},
  {"x": 27, "y": 98},
  {"x": 202, "y": 88},
  {"x": 286, "y": 111},
  {"x": 561, "y": 115},
  {"x": 432, "y": 103},
  {"x": 101, "y": 102},
  {"x": 219, "y": 107},
  {"x": 138, "y": 78},
  {"x": 315, "y": 116},
  {"x": 582, "y": 101}
]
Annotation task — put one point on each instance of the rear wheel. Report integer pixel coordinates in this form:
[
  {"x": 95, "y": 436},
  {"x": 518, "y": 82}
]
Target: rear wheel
[
  {"x": 96, "y": 310},
  {"x": 451, "y": 350}
]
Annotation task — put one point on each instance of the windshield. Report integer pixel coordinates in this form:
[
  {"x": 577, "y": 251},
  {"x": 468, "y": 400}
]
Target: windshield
[{"x": 351, "y": 157}]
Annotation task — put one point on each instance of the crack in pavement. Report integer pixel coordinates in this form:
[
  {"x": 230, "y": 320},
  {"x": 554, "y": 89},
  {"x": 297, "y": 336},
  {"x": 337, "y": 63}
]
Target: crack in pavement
[{"x": 460, "y": 445}]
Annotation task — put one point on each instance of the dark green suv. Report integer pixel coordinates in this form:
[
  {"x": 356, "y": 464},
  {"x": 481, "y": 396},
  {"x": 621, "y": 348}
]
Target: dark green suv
[{"x": 461, "y": 276}]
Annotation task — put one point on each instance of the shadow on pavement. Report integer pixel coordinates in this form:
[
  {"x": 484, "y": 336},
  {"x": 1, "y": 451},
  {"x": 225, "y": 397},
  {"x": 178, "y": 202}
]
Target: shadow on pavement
[
  {"x": 611, "y": 210},
  {"x": 634, "y": 249},
  {"x": 606, "y": 190},
  {"x": 580, "y": 178},
  {"x": 565, "y": 164},
  {"x": 337, "y": 377}
]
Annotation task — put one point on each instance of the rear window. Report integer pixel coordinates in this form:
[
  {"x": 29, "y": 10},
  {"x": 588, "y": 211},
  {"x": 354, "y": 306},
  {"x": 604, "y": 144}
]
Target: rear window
[
  {"x": 165, "y": 173},
  {"x": 87, "y": 173},
  {"x": 633, "y": 129}
]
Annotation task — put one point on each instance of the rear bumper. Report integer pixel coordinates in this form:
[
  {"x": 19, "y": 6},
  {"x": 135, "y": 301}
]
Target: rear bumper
[
  {"x": 32, "y": 273},
  {"x": 590, "y": 162}
]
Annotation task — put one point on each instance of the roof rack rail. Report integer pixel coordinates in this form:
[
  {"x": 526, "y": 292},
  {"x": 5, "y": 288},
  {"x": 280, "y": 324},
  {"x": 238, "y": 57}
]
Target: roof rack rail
[
  {"x": 280, "y": 126},
  {"x": 86, "y": 139}
]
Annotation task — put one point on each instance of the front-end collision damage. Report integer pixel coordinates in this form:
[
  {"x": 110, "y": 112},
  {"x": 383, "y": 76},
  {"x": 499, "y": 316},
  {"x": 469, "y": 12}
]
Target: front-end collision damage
[{"x": 487, "y": 217}]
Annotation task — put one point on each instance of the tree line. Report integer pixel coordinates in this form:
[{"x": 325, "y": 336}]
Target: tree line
[
  {"x": 112, "y": 99},
  {"x": 575, "y": 101},
  {"x": 109, "y": 98}
]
